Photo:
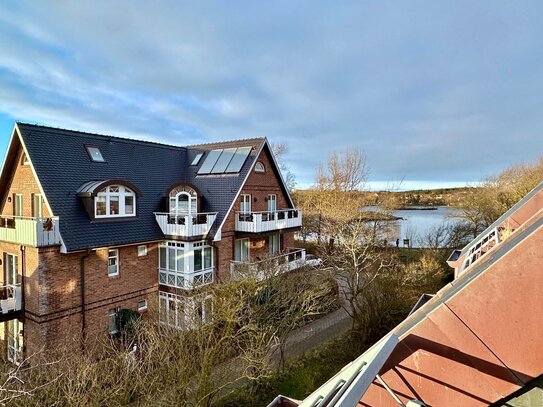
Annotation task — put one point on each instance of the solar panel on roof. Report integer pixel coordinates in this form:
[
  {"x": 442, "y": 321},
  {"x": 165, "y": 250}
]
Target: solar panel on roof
[
  {"x": 210, "y": 161},
  {"x": 239, "y": 159},
  {"x": 224, "y": 160}
]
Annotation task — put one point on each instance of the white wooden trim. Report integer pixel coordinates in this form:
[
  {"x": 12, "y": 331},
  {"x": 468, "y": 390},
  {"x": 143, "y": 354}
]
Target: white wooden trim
[{"x": 33, "y": 171}]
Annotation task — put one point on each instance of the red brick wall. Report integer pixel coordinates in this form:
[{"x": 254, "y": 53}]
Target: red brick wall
[
  {"x": 22, "y": 182},
  {"x": 59, "y": 311},
  {"x": 259, "y": 185}
]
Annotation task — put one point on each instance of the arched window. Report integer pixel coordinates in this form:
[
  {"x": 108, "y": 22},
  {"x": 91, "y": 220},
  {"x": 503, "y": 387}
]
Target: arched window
[
  {"x": 115, "y": 200},
  {"x": 183, "y": 201},
  {"x": 259, "y": 167}
]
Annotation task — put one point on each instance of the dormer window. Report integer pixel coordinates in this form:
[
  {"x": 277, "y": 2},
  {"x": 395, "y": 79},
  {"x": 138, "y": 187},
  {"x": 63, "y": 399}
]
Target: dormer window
[
  {"x": 259, "y": 167},
  {"x": 113, "y": 201}
]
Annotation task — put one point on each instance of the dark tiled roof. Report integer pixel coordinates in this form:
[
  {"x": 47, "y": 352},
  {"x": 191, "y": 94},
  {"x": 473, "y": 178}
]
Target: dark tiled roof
[{"x": 62, "y": 165}]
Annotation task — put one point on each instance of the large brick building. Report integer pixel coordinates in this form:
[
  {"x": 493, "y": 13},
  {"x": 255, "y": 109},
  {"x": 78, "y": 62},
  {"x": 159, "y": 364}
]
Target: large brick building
[{"x": 92, "y": 224}]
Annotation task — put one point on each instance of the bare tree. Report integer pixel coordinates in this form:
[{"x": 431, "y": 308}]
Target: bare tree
[{"x": 280, "y": 150}]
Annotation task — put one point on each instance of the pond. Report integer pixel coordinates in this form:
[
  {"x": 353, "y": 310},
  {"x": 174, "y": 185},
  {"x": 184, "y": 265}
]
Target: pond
[{"x": 419, "y": 222}]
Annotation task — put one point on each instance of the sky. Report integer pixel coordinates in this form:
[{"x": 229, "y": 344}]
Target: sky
[{"x": 436, "y": 93}]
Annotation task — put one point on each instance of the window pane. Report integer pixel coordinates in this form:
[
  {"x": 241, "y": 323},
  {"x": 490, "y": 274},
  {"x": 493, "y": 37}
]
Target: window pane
[
  {"x": 183, "y": 203},
  {"x": 237, "y": 253},
  {"x": 129, "y": 205},
  {"x": 162, "y": 256},
  {"x": 207, "y": 257},
  {"x": 113, "y": 205},
  {"x": 100, "y": 205},
  {"x": 197, "y": 259},
  {"x": 180, "y": 260},
  {"x": 171, "y": 259},
  {"x": 95, "y": 154}
]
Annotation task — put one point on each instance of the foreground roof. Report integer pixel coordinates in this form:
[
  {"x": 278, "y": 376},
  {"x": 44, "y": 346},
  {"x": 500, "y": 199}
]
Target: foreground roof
[{"x": 62, "y": 166}]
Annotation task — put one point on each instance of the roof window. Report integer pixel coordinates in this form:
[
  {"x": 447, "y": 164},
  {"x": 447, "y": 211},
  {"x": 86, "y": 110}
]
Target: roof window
[
  {"x": 197, "y": 159},
  {"x": 95, "y": 154}
]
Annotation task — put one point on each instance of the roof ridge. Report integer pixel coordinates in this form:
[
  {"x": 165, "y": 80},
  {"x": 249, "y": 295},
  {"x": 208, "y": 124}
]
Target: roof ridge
[
  {"x": 99, "y": 135},
  {"x": 226, "y": 141},
  {"x": 133, "y": 140}
]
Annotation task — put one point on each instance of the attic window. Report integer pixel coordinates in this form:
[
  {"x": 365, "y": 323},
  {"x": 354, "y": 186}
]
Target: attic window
[
  {"x": 259, "y": 167},
  {"x": 95, "y": 154},
  {"x": 113, "y": 201},
  {"x": 25, "y": 160},
  {"x": 197, "y": 159}
]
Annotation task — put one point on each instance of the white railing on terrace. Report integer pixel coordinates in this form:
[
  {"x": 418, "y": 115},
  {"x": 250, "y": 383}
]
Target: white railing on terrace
[
  {"x": 293, "y": 259},
  {"x": 10, "y": 298},
  {"x": 256, "y": 222},
  {"x": 186, "y": 281},
  {"x": 486, "y": 243},
  {"x": 185, "y": 225},
  {"x": 30, "y": 231}
]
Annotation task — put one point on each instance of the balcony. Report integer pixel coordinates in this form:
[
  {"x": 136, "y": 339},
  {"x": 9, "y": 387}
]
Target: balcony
[
  {"x": 30, "y": 231},
  {"x": 292, "y": 260},
  {"x": 185, "y": 225},
  {"x": 257, "y": 222},
  {"x": 186, "y": 281},
  {"x": 10, "y": 298}
]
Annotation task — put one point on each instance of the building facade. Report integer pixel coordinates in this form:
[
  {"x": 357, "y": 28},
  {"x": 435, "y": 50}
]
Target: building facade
[{"x": 93, "y": 224}]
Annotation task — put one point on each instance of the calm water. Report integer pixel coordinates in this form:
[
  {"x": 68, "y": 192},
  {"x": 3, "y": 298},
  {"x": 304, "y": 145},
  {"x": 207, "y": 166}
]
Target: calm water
[{"x": 416, "y": 224}]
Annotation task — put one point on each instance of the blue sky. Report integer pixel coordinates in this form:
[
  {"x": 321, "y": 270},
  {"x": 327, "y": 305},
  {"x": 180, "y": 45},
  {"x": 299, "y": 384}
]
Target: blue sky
[{"x": 436, "y": 93}]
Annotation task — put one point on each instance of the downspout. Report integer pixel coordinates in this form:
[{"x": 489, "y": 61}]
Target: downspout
[
  {"x": 82, "y": 298},
  {"x": 23, "y": 278}
]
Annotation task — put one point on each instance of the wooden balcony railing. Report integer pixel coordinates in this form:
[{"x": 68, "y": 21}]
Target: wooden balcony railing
[
  {"x": 256, "y": 222},
  {"x": 10, "y": 298},
  {"x": 186, "y": 281},
  {"x": 30, "y": 231},
  {"x": 293, "y": 259},
  {"x": 185, "y": 225}
]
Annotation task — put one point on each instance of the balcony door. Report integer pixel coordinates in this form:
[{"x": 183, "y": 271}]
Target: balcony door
[
  {"x": 241, "y": 250},
  {"x": 272, "y": 203},
  {"x": 37, "y": 206},
  {"x": 12, "y": 277},
  {"x": 183, "y": 204},
  {"x": 18, "y": 205},
  {"x": 245, "y": 203}
]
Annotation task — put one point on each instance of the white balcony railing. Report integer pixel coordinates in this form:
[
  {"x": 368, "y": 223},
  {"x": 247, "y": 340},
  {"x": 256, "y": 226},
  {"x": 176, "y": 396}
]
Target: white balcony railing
[
  {"x": 186, "y": 281},
  {"x": 185, "y": 225},
  {"x": 292, "y": 260},
  {"x": 256, "y": 222},
  {"x": 10, "y": 298},
  {"x": 30, "y": 231}
]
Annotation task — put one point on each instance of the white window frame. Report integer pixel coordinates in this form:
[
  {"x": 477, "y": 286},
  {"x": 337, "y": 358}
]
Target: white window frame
[
  {"x": 272, "y": 198},
  {"x": 116, "y": 265},
  {"x": 259, "y": 167},
  {"x": 199, "y": 249},
  {"x": 113, "y": 315},
  {"x": 142, "y": 250},
  {"x": 37, "y": 206},
  {"x": 245, "y": 203},
  {"x": 11, "y": 269},
  {"x": 122, "y": 193},
  {"x": 274, "y": 243},
  {"x": 18, "y": 205},
  {"x": 245, "y": 242},
  {"x": 144, "y": 306},
  {"x": 192, "y": 204}
]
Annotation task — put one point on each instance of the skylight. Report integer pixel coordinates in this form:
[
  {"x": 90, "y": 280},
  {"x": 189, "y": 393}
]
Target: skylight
[
  {"x": 95, "y": 154},
  {"x": 197, "y": 159},
  {"x": 229, "y": 160}
]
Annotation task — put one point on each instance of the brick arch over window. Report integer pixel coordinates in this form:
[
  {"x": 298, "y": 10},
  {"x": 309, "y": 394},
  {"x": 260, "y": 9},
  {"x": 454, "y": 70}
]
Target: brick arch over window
[{"x": 181, "y": 191}]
